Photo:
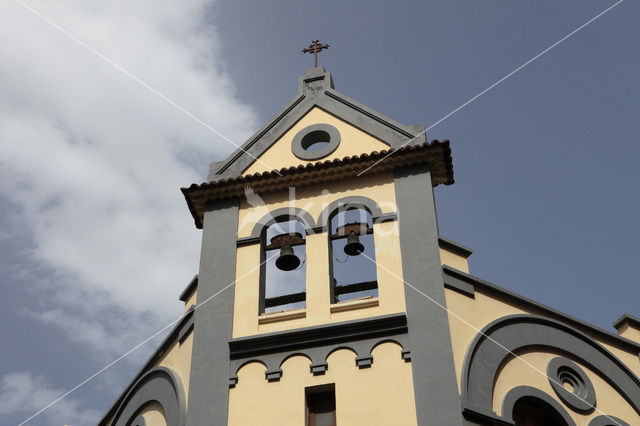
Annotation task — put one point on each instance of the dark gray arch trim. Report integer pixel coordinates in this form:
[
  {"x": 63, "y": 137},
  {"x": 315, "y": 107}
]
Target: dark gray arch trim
[
  {"x": 484, "y": 357},
  {"x": 606, "y": 420},
  {"x": 161, "y": 385},
  {"x": 284, "y": 212},
  {"x": 139, "y": 421},
  {"x": 301, "y": 152},
  {"x": 345, "y": 203},
  {"x": 519, "y": 392}
]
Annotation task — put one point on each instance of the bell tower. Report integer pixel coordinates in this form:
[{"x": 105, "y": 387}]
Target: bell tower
[{"x": 319, "y": 255}]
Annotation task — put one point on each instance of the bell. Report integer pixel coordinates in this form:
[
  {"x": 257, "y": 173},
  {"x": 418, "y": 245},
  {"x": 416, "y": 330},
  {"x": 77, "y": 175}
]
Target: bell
[
  {"x": 353, "y": 247},
  {"x": 287, "y": 261}
]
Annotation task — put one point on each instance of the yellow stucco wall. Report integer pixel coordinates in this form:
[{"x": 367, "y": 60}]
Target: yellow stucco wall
[
  {"x": 352, "y": 142},
  {"x": 379, "y": 395},
  {"x": 190, "y": 301},
  {"x": 178, "y": 358},
  {"x": 529, "y": 368},
  {"x": 629, "y": 332},
  {"x": 314, "y": 200},
  {"x": 318, "y": 309},
  {"x": 454, "y": 260}
]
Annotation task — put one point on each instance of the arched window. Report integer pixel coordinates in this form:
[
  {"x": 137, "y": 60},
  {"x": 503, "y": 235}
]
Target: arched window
[
  {"x": 283, "y": 267},
  {"x": 531, "y": 411},
  {"x": 352, "y": 255}
]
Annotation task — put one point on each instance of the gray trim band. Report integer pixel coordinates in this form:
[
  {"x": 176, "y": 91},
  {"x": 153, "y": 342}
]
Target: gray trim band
[
  {"x": 346, "y": 203},
  {"x": 292, "y": 213},
  {"x": 320, "y": 335},
  {"x": 454, "y": 247},
  {"x": 189, "y": 289},
  {"x": 519, "y": 392},
  {"x": 463, "y": 287},
  {"x": 187, "y": 326}
]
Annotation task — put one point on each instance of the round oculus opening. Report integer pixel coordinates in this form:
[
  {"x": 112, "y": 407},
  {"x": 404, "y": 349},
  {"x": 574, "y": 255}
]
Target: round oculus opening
[{"x": 315, "y": 140}]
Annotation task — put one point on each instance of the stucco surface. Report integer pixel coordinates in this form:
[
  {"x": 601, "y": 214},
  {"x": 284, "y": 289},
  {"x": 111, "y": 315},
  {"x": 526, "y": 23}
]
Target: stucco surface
[
  {"x": 353, "y": 142},
  {"x": 379, "y": 395}
]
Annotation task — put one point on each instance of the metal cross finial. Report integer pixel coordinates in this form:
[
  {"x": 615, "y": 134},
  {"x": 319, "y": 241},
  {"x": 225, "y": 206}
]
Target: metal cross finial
[{"x": 315, "y": 48}]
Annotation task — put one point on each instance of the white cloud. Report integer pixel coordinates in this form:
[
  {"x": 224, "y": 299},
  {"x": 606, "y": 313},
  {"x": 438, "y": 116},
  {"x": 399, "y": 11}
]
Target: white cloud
[
  {"x": 23, "y": 394},
  {"x": 95, "y": 161}
]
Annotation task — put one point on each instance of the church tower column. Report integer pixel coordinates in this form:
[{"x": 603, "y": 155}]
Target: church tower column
[
  {"x": 209, "y": 381},
  {"x": 434, "y": 378}
]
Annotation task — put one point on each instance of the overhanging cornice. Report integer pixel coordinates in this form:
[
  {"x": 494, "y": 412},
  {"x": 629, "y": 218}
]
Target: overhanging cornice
[{"x": 436, "y": 154}]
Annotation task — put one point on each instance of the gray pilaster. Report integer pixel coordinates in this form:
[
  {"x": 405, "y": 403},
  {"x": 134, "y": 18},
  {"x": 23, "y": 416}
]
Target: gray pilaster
[
  {"x": 437, "y": 399},
  {"x": 209, "y": 382}
]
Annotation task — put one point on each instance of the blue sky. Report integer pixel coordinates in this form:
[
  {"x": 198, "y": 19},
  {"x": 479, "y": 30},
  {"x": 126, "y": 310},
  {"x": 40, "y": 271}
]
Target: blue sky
[{"x": 97, "y": 242}]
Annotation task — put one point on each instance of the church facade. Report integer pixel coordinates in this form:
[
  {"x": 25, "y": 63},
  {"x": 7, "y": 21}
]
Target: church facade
[{"x": 326, "y": 296}]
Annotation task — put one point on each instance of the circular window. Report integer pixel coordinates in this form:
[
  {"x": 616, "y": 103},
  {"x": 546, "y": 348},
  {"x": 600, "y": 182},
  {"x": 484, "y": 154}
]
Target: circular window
[
  {"x": 315, "y": 141},
  {"x": 571, "y": 384}
]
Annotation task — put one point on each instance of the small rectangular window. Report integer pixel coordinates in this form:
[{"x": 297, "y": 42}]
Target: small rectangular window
[{"x": 321, "y": 405}]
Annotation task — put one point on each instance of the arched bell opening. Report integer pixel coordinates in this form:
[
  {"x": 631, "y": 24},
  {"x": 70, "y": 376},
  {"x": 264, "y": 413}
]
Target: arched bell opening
[
  {"x": 352, "y": 255},
  {"x": 283, "y": 267}
]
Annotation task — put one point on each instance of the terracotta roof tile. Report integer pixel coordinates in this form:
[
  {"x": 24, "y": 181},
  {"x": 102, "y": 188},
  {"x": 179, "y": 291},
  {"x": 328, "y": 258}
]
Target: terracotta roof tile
[{"x": 437, "y": 154}]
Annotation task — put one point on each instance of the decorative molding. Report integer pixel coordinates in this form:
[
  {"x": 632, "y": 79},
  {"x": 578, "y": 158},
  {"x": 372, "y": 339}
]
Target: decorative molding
[
  {"x": 364, "y": 361},
  {"x": 515, "y": 332},
  {"x": 347, "y": 203},
  {"x": 300, "y": 151},
  {"x": 161, "y": 385},
  {"x": 454, "y": 247},
  {"x": 453, "y": 283},
  {"x": 189, "y": 289},
  {"x": 560, "y": 370},
  {"x": 352, "y": 305},
  {"x": 286, "y": 213},
  {"x": 272, "y": 317},
  {"x": 318, "y": 369},
  {"x": 273, "y": 375},
  {"x": 327, "y": 334},
  {"x": 517, "y": 393},
  {"x": 627, "y": 319},
  {"x": 233, "y": 381},
  {"x": 186, "y": 326}
]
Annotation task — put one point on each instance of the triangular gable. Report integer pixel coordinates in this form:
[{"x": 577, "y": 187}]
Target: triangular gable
[
  {"x": 315, "y": 91},
  {"x": 353, "y": 142}
]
